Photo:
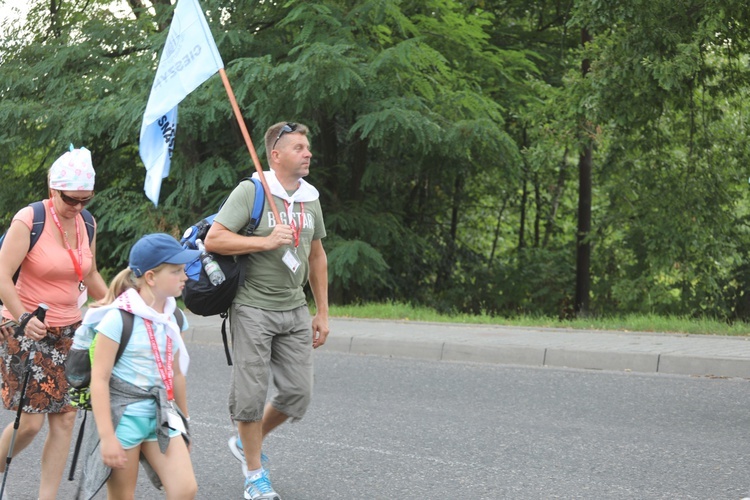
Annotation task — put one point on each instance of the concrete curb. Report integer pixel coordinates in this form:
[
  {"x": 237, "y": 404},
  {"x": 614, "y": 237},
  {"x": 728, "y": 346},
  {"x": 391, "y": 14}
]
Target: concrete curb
[{"x": 645, "y": 352}]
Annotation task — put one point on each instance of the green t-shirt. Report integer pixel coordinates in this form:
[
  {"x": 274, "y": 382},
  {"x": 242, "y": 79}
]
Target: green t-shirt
[{"x": 269, "y": 283}]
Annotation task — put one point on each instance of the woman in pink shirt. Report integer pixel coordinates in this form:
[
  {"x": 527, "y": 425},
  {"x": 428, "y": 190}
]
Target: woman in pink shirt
[{"x": 59, "y": 271}]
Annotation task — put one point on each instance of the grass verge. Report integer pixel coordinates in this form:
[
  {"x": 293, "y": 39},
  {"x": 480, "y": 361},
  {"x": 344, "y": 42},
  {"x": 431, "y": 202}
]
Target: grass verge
[{"x": 634, "y": 323}]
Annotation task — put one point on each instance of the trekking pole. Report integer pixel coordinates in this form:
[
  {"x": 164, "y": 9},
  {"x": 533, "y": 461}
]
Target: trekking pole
[
  {"x": 76, "y": 450},
  {"x": 40, "y": 312}
]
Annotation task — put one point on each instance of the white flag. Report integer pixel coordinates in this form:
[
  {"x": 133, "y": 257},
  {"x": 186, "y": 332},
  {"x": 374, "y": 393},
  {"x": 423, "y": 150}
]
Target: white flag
[{"x": 189, "y": 58}]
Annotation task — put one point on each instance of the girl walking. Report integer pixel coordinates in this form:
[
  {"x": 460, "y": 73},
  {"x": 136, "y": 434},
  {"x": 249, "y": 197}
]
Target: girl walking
[{"x": 140, "y": 402}]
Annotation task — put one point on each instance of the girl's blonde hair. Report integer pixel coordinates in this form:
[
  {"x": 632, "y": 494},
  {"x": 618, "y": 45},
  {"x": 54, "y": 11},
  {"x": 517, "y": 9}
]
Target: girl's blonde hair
[{"x": 123, "y": 281}]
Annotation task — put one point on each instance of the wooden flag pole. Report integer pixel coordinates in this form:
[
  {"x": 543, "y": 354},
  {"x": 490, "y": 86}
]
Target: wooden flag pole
[{"x": 249, "y": 143}]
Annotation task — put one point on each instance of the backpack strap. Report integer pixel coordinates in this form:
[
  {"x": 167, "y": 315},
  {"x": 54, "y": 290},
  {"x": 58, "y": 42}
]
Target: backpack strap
[
  {"x": 257, "y": 213},
  {"x": 40, "y": 215},
  {"x": 127, "y": 331},
  {"x": 225, "y": 316},
  {"x": 37, "y": 224},
  {"x": 179, "y": 316},
  {"x": 127, "y": 328},
  {"x": 88, "y": 221}
]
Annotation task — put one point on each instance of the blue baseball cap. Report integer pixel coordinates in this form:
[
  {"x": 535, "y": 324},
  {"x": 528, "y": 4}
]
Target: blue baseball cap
[{"x": 155, "y": 249}]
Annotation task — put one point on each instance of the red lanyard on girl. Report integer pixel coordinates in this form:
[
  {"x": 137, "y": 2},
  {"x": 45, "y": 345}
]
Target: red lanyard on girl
[
  {"x": 296, "y": 230},
  {"x": 167, "y": 373},
  {"x": 77, "y": 264}
]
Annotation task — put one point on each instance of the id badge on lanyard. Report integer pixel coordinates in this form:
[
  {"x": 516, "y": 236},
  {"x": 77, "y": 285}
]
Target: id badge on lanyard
[
  {"x": 290, "y": 257},
  {"x": 173, "y": 418}
]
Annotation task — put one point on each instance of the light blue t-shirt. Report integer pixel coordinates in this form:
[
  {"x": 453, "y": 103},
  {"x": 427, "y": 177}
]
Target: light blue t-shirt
[{"x": 137, "y": 364}]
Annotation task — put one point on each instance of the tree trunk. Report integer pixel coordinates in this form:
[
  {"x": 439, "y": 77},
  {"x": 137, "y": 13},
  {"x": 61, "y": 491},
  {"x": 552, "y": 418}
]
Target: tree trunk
[
  {"x": 161, "y": 6},
  {"x": 524, "y": 199},
  {"x": 583, "y": 245},
  {"x": 327, "y": 142},
  {"x": 496, "y": 238},
  {"x": 358, "y": 169},
  {"x": 449, "y": 260},
  {"x": 54, "y": 8},
  {"x": 538, "y": 211},
  {"x": 522, "y": 223},
  {"x": 557, "y": 195},
  {"x": 137, "y": 7}
]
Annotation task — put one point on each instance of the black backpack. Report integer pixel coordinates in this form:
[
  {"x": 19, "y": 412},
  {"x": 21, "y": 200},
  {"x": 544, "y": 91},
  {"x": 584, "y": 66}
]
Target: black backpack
[
  {"x": 200, "y": 296},
  {"x": 40, "y": 214}
]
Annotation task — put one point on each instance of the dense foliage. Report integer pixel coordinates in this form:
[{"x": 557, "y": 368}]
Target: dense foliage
[{"x": 446, "y": 137}]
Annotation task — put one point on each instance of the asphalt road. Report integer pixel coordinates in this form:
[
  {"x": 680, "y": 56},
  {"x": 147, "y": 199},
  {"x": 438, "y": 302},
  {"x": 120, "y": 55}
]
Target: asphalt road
[{"x": 382, "y": 428}]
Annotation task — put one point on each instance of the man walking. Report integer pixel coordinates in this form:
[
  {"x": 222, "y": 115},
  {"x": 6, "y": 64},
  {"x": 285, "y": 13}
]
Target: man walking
[{"x": 272, "y": 332}]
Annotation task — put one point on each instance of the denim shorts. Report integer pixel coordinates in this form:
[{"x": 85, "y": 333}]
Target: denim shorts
[{"x": 132, "y": 431}]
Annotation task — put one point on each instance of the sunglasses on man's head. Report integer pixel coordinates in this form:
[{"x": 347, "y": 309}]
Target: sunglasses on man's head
[
  {"x": 286, "y": 129},
  {"x": 69, "y": 200}
]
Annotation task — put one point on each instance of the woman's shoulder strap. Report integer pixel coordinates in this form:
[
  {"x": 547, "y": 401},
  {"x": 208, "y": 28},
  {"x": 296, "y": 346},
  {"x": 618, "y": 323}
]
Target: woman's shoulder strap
[
  {"x": 88, "y": 221},
  {"x": 37, "y": 224}
]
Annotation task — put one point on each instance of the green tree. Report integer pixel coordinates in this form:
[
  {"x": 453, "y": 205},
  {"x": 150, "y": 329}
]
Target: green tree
[
  {"x": 393, "y": 93},
  {"x": 668, "y": 85},
  {"x": 446, "y": 137}
]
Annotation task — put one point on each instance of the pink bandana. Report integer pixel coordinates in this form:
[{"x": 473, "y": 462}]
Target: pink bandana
[{"x": 73, "y": 171}]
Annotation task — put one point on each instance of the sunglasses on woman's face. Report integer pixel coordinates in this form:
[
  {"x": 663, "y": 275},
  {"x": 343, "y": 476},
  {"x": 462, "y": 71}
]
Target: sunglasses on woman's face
[{"x": 69, "y": 200}]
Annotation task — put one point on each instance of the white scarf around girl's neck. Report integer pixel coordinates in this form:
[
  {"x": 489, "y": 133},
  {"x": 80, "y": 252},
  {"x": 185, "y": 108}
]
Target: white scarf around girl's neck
[
  {"x": 304, "y": 193},
  {"x": 131, "y": 301}
]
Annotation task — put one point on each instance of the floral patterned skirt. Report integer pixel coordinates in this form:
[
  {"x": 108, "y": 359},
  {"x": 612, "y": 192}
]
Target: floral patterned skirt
[{"x": 47, "y": 389}]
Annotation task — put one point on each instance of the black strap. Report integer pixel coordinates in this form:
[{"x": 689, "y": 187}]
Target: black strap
[
  {"x": 224, "y": 337},
  {"x": 256, "y": 213},
  {"x": 88, "y": 221},
  {"x": 40, "y": 215},
  {"x": 37, "y": 226},
  {"x": 127, "y": 331},
  {"x": 37, "y": 223},
  {"x": 127, "y": 328},
  {"x": 179, "y": 316}
]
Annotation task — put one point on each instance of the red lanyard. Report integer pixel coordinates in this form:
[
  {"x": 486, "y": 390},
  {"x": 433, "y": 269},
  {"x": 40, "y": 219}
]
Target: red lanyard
[
  {"x": 77, "y": 264},
  {"x": 296, "y": 230},
  {"x": 167, "y": 373}
]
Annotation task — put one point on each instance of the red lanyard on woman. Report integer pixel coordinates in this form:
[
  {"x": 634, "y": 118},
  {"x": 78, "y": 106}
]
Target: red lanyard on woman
[
  {"x": 167, "y": 374},
  {"x": 77, "y": 264},
  {"x": 296, "y": 230}
]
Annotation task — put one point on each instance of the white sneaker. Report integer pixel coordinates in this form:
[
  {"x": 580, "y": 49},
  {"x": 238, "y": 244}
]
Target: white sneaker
[
  {"x": 259, "y": 487},
  {"x": 235, "y": 446}
]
